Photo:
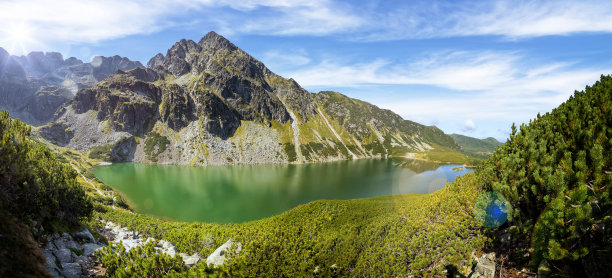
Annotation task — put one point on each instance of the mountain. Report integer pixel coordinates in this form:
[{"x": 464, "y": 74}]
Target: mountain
[
  {"x": 33, "y": 87},
  {"x": 210, "y": 103},
  {"x": 476, "y": 147}
]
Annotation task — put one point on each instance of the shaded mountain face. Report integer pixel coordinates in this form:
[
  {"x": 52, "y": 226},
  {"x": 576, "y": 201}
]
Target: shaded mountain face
[
  {"x": 210, "y": 103},
  {"x": 33, "y": 87}
]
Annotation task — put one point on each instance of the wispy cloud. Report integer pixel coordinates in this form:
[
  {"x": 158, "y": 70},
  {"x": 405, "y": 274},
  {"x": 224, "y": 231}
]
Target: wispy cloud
[
  {"x": 510, "y": 19},
  {"x": 456, "y": 70},
  {"x": 276, "y": 59}
]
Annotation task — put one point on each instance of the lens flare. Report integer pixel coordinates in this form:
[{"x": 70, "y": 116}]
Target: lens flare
[{"x": 492, "y": 209}]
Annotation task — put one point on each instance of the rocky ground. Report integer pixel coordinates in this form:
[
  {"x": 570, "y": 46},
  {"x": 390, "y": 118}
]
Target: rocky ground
[{"x": 73, "y": 255}]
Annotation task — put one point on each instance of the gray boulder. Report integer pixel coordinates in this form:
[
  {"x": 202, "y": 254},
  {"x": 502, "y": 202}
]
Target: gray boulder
[
  {"x": 84, "y": 235},
  {"x": 70, "y": 270},
  {"x": 64, "y": 255},
  {"x": 89, "y": 248}
]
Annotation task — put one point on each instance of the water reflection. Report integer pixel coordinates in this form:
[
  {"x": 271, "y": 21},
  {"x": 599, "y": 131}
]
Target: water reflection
[{"x": 248, "y": 192}]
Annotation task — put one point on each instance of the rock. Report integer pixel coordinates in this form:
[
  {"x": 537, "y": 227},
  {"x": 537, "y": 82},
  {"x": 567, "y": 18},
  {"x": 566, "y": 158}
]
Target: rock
[
  {"x": 89, "y": 248},
  {"x": 220, "y": 255},
  {"x": 170, "y": 251},
  {"x": 50, "y": 262},
  {"x": 70, "y": 270},
  {"x": 131, "y": 243},
  {"x": 64, "y": 255},
  {"x": 64, "y": 242},
  {"x": 36, "y": 85},
  {"x": 192, "y": 260},
  {"x": 105, "y": 66},
  {"x": 485, "y": 266},
  {"x": 84, "y": 235},
  {"x": 165, "y": 244},
  {"x": 122, "y": 234}
]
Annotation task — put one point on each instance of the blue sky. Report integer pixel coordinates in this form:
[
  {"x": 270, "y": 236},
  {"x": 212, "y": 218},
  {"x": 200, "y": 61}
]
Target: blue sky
[{"x": 469, "y": 67}]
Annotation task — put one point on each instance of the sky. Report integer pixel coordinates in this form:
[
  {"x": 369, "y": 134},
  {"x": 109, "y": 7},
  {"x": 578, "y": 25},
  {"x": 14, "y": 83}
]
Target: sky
[{"x": 467, "y": 67}]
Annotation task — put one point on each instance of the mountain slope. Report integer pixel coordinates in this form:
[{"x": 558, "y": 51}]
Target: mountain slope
[
  {"x": 476, "y": 147},
  {"x": 33, "y": 87},
  {"x": 556, "y": 174},
  {"x": 211, "y": 103}
]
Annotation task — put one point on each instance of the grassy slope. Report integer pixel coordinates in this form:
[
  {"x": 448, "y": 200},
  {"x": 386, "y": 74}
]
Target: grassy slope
[{"x": 389, "y": 235}]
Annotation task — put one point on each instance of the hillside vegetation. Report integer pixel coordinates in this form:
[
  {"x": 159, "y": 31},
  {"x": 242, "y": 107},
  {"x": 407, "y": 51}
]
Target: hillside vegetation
[
  {"x": 556, "y": 172},
  {"x": 39, "y": 194}
]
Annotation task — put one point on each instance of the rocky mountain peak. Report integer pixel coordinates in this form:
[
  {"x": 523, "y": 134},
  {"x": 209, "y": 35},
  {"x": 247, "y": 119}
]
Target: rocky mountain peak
[
  {"x": 105, "y": 66},
  {"x": 158, "y": 59},
  {"x": 214, "y": 41}
]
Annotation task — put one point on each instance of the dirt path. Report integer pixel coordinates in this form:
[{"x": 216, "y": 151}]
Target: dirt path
[{"x": 93, "y": 185}]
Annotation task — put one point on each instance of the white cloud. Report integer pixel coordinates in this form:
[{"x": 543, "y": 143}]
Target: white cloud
[
  {"x": 468, "y": 126},
  {"x": 78, "y": 21}
]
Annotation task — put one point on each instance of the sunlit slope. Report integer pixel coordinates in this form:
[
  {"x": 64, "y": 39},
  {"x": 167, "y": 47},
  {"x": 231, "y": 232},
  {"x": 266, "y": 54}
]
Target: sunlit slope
[{"x": 556, "y": 174}]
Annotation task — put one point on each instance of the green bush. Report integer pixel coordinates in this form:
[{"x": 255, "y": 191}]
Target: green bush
[
  {"x": 556, "y": 173},
  {"x": 102, "y": 152},
  {"x": 155, "y": 144},
  {"x": 36, "y": 185}
]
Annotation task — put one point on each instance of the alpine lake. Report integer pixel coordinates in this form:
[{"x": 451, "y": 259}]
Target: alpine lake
[{"x": 240, "y": 193}]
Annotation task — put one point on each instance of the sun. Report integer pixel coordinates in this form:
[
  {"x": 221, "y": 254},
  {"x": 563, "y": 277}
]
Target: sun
[{"x": 17, "y": 38}]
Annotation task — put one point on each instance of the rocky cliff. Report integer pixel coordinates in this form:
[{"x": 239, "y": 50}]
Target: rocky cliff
[
  {"x": 211, "y": 103},
  {"x": 33, "y": 87}
]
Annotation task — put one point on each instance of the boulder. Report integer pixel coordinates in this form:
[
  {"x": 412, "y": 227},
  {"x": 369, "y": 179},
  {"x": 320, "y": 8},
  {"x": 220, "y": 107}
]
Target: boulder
[
  {"x": 64, "y": 255},
  {"x": 191, "y": 260},
  {"x": 485, "y": 266},
  {"x": 131, "y": 243},
  {"x": 84, "y": 236},
  {"x": 220, "y": 255},
  {"x": 89, "y": 248},
  {"x": 70, "y": 270}
]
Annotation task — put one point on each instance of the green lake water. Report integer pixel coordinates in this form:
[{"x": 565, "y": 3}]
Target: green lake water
[{"x": 234, "y": 194}]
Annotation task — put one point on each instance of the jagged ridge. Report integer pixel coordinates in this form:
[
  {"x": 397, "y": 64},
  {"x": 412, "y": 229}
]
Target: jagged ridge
[{"x": 216, "y": 104}]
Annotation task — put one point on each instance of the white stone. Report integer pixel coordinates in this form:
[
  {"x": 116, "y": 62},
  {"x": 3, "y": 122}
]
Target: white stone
[
  {"x": 192, "y": 260},
  {"x": 220, "y": 255},
  {"x": 130, "y": 243}
]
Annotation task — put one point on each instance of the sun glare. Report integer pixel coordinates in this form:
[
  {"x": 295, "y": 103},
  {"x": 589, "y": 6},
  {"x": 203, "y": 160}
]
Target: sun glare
[{"x": 18, "y": 38}]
